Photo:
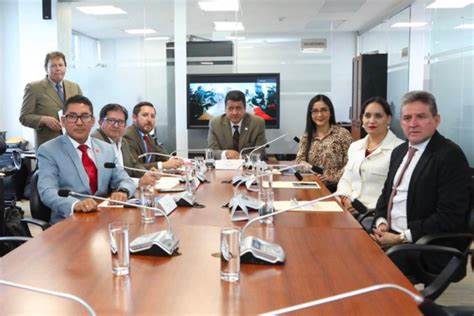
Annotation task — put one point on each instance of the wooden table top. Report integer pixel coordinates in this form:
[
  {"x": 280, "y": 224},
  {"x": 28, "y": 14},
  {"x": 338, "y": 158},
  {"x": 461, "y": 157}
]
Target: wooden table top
[{"x": 326, "y": 255}]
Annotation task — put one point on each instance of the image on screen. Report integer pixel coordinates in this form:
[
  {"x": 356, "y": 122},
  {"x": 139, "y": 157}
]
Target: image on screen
[{"x": 207, "y": 99}]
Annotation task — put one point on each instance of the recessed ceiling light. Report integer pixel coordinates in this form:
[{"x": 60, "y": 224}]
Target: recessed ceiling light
[
  {"x": 235, "y": 38},
  {"x": 219, "y": 5},
  {"x": 228, "y": 26},
  {"x": 449, "y": 4},
  {"x": 409, "y": 24},
  {"x": 468, "y": 26},
  {"x": 101, "y": 10},
  {"x": 140, "y": 31},
  {"x": 157, "y": 38}
]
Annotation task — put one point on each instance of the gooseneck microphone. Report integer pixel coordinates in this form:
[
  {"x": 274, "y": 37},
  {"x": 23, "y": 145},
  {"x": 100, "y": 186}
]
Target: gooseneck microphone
[
  {"x": 251, "y": 147},
  {"x": 66, "y": 193},
  {"x": 419, "y": 300},
  {"x": 162, "y": 155},
  {"x": 266, "y": 144},
  {"x": 51, "y": 293},
  {"x": 112, "y": 165}
]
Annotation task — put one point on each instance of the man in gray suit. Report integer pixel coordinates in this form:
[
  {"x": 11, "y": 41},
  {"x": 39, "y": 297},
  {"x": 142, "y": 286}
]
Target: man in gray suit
[
  {"x": 43, "y": 99},
  {"x": 75, "y": 161},
  {"x": 236, "y": 129}
]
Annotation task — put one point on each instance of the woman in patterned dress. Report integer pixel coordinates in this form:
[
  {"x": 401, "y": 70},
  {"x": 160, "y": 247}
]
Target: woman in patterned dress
[{"x": 324, "y": 144}]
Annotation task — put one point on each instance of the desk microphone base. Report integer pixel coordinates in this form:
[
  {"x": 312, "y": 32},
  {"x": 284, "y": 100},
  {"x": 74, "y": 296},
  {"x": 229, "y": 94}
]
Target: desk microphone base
[
  {"x": 258, "y": 251},
  {"x": 161, "y": 244}
]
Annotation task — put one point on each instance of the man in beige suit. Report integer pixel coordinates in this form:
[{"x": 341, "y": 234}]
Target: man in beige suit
[
  {"x": 236, "y": 129},
  {"x": 141, "y": 141},
  {"x": 43, "y": 99},
  {"x": 112, "y": 121}
]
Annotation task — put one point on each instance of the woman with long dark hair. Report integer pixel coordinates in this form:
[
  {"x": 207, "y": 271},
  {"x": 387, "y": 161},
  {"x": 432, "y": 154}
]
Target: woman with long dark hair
[
  {"x": 369, "y": 157},
  {"x": 324, "y": 144}
]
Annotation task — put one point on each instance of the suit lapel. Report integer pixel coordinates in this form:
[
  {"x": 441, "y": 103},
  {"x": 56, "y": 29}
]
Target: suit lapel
[
  {"x": 51, "y": 93},
  {"x": 227, "y": 130},
  {"x": 71, "y": 151},
  {"x": 138, "y": 139}
]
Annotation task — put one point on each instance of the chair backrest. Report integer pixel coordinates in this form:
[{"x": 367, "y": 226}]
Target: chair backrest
[
  {"x": 37, "y": 208},
  {"x": 471, "y": 210}
]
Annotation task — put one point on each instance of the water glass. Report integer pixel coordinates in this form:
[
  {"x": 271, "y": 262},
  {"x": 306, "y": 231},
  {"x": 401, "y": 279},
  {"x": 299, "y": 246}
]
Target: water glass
[
  {"x": 267, "y": 197},
  {"x": 254, "y": 160},
  {"x": 264, "y": 177},
  {"x": 119, "y": 248},
  {"x": 230, "y": 254},
  {"x": 147, "y": 198},
  {"x": 200, "y": 164},
  {"x": 209, "y": 156}
]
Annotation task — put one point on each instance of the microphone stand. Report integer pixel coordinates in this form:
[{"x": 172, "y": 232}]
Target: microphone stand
[
  {"x": 165, "y": 240},
  {"x": 259, "y": 251}
]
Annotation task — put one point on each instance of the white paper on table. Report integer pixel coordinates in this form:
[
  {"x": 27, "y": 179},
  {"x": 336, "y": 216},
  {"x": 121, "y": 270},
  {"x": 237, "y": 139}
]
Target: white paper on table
[
  {"x": 293, "y": 185},
  {"x": 107, "y": 203},
  {"x": 323, "y": 206},
  {"x": 166, "y": 183},
  {"x": 229, "y": 164}
]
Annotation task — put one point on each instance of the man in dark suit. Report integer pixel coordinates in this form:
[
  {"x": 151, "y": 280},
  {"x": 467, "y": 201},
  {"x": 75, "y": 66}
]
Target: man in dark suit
[
  {"x": 236, "y": 129},
  {"x": 43, "y": 99},
  {"x": 141, "y": 141},
  {"x": 113, "y": 120},
  {"x": 426, "y": 191}
]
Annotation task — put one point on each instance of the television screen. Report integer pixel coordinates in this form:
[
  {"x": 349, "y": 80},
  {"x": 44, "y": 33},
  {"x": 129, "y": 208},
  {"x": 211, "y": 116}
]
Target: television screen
[{"x": 206, "y": 95}]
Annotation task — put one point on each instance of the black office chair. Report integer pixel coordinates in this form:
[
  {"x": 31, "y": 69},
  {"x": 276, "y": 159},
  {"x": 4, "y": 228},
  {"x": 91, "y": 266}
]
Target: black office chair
[
  {"x": 455, "y": 270},
  {"x": 38, "y": 210}
]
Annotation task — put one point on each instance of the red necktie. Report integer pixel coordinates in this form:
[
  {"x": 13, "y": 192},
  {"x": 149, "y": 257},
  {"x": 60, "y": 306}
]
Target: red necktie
[
  {"x": 411, "y": 153},
  {"x": 148, "y": 143},
  {"x": 89, "y": 167}
]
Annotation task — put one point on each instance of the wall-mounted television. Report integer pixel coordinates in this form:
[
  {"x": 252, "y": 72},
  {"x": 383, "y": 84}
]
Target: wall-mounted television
[{"x": 206, "y": 95}]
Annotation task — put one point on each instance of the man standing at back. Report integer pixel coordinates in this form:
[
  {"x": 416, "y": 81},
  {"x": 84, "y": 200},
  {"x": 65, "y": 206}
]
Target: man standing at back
[
  {"x": 43, "y": 99},
  {"x": 426, "y": 191},
  {"x": 141, "y": 141},
  {"x": 236, "y": 129},
  {"x": 75, "y": 161}
]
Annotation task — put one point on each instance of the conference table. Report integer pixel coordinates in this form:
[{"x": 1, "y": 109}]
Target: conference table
[{"x": 327, "y": 253}]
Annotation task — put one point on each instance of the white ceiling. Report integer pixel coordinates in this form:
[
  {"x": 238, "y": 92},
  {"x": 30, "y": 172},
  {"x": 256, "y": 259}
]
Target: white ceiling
[{"x": 261, "y": 18}]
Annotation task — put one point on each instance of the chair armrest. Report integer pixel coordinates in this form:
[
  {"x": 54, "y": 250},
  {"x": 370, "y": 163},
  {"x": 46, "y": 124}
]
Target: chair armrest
[
  {"x": 38, "y": 222},
  {"x": 424, "y": 249},
  {"x": 428, "y": 239}
]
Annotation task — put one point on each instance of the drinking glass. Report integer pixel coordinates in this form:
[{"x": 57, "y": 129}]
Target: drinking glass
[
  {"x": 230, "y": 254},
  {"x": 119, "y": 248}
]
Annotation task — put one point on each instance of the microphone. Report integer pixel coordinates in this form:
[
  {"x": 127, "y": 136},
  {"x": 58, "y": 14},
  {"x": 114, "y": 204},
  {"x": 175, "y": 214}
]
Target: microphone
[
  {"x": 51, "y": 293},
  {"x": 267, "y": 143},
  {"x": 247, "y": 148},
  {"x": 258, "y": 251},
  {"x": 240, "y": 204},
  {"x": 112, "y": 165},
  {"x": 163, "y": 155},
  {"x": 296, "y": 139},
  {"x": 165, "y": 240},
  {"x": 426, "y": 306}
]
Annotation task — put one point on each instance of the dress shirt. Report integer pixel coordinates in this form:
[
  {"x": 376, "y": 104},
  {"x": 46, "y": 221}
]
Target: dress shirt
[
  {"x": 90, "y": 153},
  {"x": 399, "y": 209},
  {"x": 223, "y": 156},
  {"x": 117, "y": 149}
]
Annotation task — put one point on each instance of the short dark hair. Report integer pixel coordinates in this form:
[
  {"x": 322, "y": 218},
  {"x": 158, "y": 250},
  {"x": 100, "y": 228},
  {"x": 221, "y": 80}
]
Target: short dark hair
[
  {"x": 136, "y": 108},
  {"x": 112, "y": 107},
  {"x": 235, "y": 95},
  {"x": 53, "y": 55},
  {"x": 380, "y": 101},
  {"x": 78, "y": 99},
  {"x": 422, "y": 96}
]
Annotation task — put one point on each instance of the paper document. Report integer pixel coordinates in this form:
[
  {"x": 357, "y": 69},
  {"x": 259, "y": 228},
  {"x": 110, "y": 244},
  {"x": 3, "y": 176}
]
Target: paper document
[
  {"x": 293, "y": 185},
  {"x": 166, "y": 183},
  {"x": 323, "y": 206},
  {"x": 229, "y": 164}
]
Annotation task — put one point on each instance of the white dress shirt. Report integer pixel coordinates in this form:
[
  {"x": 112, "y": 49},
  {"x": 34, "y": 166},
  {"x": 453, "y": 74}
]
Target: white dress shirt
[
  {"x": 399, "y": 207},
  {"x": 117, "y": 149}
]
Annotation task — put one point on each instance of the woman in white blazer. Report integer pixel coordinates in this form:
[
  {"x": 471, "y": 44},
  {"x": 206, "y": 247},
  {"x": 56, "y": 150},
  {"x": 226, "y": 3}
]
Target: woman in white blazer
[{"x": 368, "y": 158}]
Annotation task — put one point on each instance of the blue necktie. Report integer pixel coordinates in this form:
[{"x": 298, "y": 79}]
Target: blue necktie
[{"x": 59, "y": 89}]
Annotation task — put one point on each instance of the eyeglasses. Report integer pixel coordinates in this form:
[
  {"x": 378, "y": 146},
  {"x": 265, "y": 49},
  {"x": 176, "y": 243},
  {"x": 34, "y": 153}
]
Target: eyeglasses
[
  {"x": 322, "y": 111},
  {"x": 72, "y": 118},
  {"x": 111, "y": 122}
]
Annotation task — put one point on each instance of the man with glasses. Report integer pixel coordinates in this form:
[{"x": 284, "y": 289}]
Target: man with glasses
[
  {"x": 236, "y": 129},
  {"x": 75, "y": 161},
  {"x": 141, "y": 141},
  {"x": 43, "y": 99},
  {"x": 113, "y": 120}
]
